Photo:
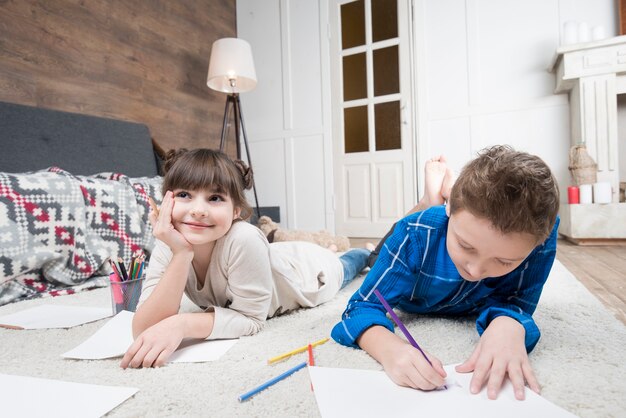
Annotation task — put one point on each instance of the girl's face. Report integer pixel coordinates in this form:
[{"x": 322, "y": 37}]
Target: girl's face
[{"x": 202, "y": 216}]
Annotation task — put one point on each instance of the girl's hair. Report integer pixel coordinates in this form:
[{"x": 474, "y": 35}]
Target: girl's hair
[
  {"x": 207, "y": 169},
  {"x": 515, "y": 191}
]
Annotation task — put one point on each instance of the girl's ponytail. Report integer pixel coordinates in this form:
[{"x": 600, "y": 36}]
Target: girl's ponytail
[
  {"x": 171, "y": 157},
  {"x": 247, "y": 177}
]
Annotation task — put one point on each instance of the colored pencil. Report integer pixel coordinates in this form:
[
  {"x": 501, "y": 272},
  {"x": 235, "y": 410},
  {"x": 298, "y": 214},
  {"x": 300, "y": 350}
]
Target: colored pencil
[
  {"x": 136, "y": 283},
  {"x": 296, "y": 351},
  {"x": 141, "y": 265},
  {"x": 132, "y": 268},
  {"x": 400, "y": 325},
  {"x": 311, "y": 359},
  {"x": 115, "y": 269},
  {"x": 270, "y": 382},
  {"x": 122, "y": 268}
]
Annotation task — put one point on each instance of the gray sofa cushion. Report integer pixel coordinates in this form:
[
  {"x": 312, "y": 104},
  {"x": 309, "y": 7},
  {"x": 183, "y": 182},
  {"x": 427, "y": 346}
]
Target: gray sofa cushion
[{"x": 34, "y": 138}]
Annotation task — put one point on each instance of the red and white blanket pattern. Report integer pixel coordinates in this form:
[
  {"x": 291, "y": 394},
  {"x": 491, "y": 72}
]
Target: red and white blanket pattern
[{"x": 57, "y": 230}]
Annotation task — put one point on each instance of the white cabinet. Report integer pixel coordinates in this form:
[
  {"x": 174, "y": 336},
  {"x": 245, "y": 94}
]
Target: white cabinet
[{"x": 593, "y": 74}]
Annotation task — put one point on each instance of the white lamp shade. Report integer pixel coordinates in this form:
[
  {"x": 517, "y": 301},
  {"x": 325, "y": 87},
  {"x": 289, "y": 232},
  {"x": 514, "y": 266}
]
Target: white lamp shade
[{"x": 231, "y": 67}]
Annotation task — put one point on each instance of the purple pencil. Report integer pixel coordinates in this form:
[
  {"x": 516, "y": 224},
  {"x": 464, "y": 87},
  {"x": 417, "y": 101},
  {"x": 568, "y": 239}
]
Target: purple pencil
[{"x": 400, "y": 324}]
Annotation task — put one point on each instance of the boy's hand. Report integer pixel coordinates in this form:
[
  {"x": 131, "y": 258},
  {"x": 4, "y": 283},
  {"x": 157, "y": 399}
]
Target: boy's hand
[
  {"x": 499, "y": 352},
  {"x": 402, "y": 362},
  {"x": 162, "y": 227},
  {"x": 153, "y": 347},
  {"x": 408, "y": 367}
]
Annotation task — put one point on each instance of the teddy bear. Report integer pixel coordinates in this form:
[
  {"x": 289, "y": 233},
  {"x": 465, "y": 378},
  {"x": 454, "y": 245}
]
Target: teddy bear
[{"x": 274, "y": 233}]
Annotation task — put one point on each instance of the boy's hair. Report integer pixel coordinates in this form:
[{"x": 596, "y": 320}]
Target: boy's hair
[
  {"x": 513, "y": 190},
  {"x": 207, "y": 169}
]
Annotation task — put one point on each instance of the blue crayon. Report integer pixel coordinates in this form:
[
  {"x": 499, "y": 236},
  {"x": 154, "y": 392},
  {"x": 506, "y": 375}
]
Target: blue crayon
[{"x": 270, "y": 382}]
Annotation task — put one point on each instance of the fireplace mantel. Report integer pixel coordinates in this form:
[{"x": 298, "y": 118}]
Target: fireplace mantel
[{"x": 593, "y": 74}]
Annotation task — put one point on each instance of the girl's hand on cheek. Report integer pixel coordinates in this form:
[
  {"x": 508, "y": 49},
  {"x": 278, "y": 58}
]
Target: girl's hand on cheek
[{"x": 162, "y": 226}]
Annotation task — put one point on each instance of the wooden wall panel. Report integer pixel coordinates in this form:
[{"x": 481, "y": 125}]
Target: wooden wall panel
[{"x": 143, "y": 61}]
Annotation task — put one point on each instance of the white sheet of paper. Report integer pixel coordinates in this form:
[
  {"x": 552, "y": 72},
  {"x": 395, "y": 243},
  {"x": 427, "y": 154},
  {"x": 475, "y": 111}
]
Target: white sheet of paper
[
  {"x": 367, "y": 393},
  {"x": 114, "y": 338},
  {"x": 34, "y": 397},
  {"x": 201, "y": 351},
  {"x": 53, "y": 316}
]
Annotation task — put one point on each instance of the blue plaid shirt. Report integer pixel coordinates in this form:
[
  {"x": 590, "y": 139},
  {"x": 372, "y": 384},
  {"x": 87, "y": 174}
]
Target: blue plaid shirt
[{"x": 415, "y": 274}]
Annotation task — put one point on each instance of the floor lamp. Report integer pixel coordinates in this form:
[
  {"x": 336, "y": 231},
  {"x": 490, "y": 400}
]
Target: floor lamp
[{"x": 231, "y": 71}]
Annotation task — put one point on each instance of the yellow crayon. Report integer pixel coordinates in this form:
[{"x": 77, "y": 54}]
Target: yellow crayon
[{"x": 296, "y": 351}]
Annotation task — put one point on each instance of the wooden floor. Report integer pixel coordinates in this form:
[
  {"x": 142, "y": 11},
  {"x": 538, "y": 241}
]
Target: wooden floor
[{"x": 602, "y": 269}]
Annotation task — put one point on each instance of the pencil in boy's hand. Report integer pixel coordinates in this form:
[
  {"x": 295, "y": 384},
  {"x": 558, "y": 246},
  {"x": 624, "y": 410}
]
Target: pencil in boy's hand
[{"x": 400, "y": 325}]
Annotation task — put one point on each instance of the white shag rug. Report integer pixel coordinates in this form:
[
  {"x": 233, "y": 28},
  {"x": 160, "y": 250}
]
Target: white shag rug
[{"x": 579, "y": 361}]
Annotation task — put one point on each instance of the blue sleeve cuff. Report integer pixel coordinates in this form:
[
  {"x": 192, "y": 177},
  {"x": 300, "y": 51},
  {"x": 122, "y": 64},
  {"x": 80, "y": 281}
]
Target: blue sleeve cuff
[
  {"x": 350, "y": 329},
  {"x": 532, "y": 331}
]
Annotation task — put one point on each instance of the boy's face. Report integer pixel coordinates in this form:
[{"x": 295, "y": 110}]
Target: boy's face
[{"x": 479, "y": 251}]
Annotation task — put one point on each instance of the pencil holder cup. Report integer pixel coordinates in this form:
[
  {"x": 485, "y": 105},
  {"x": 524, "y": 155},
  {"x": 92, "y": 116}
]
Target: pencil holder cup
[{"x": 125, "y": 295}]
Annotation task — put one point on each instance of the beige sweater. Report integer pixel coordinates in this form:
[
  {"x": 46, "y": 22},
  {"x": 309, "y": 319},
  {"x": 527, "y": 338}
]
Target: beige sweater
[{"x": 250, "y": 280}]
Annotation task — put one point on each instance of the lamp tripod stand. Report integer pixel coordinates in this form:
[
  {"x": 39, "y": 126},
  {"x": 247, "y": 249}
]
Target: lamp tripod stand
[{"x": 233, "y": 103}]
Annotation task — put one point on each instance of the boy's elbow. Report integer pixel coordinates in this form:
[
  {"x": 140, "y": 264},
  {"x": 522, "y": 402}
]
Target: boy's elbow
[{"x": 339, "y": 334}]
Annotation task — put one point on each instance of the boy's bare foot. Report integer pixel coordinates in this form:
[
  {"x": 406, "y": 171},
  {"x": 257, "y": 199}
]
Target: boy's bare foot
[
  {"x": 435, "y": 172},
  {"x": 370, "y": 246},
  {"x": 448, "y": 182}
]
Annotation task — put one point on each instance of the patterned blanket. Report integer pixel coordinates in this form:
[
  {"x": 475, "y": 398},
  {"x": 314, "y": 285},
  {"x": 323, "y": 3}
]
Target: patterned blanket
[{"x": 58, "y": 230}]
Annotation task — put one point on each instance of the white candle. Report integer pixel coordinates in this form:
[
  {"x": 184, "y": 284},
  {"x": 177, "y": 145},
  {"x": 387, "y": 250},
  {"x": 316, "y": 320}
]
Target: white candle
[
  {"x": 602, "y": 192},
  {"x": 597, "y": 33},
  {"x": 583, "y": 32},
  {"x": 570, "y": 33},
  {"x": 585, "y": 194}
]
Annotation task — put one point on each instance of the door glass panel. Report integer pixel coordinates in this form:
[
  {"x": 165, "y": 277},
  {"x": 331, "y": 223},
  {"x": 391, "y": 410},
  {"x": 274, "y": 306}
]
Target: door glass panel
[
  {"x": 352, "y": 24},
  {"x": 384, "y": 20},
  {"x": 387, "y": 120},
  {"x": 355, "y": 129},
  {"x": 386, "y": 80},
  {"x": 354, "y": 77}
]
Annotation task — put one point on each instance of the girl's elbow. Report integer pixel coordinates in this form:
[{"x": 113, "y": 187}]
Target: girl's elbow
[{"x": 256, "y": 325}]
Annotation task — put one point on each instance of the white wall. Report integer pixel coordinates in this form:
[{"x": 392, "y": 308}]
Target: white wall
[
  {"x": 485, "y": 64},
  {"x": 482, "y": 71},
  {"x": 287, "y": 124}
]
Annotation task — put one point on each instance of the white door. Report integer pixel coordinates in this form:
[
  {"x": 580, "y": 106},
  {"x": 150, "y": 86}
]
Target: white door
[{"x": 375, "y": 182}]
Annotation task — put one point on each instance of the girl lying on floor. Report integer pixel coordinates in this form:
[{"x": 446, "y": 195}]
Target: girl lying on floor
[{"x": 223, "y": 264}]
